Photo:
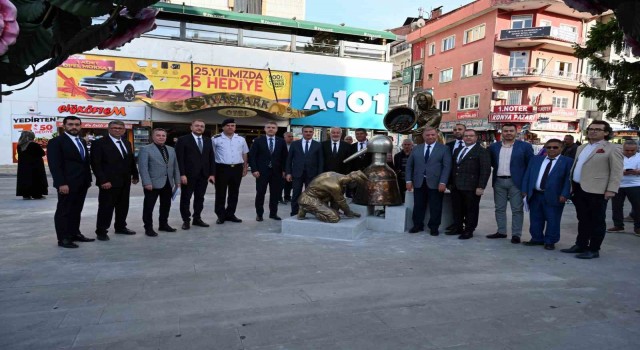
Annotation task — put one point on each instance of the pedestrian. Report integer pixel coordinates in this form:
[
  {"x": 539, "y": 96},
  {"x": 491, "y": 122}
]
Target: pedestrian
[
  {"x": 359, "y": 163},
  {"x": 232, "y": 163},
  {"x": 629, "y": 188},
  {"x": 335, "y": 152},
  {"x": 285, "y": 197},
  {"x": 509, "y": 159},
  {"x": 197, "y": 168},
  {"x": 596, "y": 175},
  {"x": 570, "y": 147},
  {"x": 468, "y": 180},
  {"x": 31, "y": 182},
  {"x": 70, "y": 167},
  {"x": 160, "y": 175},
  {"x": 266, "y": 158},
  {"x": 457, "y": 143},
  {"x": 427, "y": 173},
  {"x": 348, "y": 139},
  {"x": 304, "y": 162},
  {"x": 114, "y": 166},
  {"x": 546, "y": 188},
  {"x": 400, "y": 165}
]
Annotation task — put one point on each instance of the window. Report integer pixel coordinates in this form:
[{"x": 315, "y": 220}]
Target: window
[
  {"x": 560, "y": 102},
  {"x": 422, "y": 52},
  {"x": 514, "y": 97},
  {"x": 448, "y": 43},
  {"x": 519, "y": 22},
  {"x": 563, "y": 69},
  {"x": 446, "y": 75},
  {"x": 518, "y": 62},
  {"x": 432, "y": 49},
  {"x": 471, "y": 69},
  {"x": 469, "y": 102},
  {"x": 444, "y": 105},
  {"x": 545, "y": 23},
  {"x": 541, "y": 65},
  {"x": 430, "y": 76},
  {"x": 473, "y": 34}
]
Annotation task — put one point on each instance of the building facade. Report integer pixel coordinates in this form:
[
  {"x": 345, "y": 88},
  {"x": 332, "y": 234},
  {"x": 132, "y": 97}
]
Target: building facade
[{"x": 277, "y": 8}]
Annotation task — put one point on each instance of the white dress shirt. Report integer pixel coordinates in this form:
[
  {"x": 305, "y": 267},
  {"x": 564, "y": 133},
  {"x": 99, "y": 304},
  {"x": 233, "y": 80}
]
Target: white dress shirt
[
  {"x": 582, "y": 158},
  {"x": 73, "y": 138},
  {"x": 468, "y": 148},
  {"x": 230, "y": 150},
  {"x": 504, "y": 161},
  {"x": 542, "y": 169}
]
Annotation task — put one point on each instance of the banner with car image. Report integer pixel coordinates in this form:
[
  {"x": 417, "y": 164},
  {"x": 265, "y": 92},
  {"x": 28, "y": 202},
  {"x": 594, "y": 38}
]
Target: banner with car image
[{"x": 109, "y": 78}]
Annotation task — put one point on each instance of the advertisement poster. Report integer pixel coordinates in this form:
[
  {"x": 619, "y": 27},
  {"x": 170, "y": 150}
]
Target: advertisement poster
[
  {"x": 340, "y": 101},
  {"x": 44, "y": 128}
]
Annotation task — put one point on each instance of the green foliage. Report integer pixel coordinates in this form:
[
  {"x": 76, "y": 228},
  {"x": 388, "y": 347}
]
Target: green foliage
[{"x": 85, "y": 8}]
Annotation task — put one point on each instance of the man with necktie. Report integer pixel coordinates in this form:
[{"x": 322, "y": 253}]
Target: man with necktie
[
  {"x": 335, "y": 151},
  {"x": 70, "y": 167},
  {"x": 304, "y": 162},
  {"x": 361, "y": 162},
  {"x": 285, "y": 197},
  {"x": 456, "y": 144},
  {"x": 114, "y": 166},
  {"x": 400, "y": 165}
]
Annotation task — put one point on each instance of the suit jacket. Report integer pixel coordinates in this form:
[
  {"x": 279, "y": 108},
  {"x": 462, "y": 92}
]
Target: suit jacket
[
  {"x": 66, "y": 164},
  {"x": 154, "y": 171},
  {"x": 335, "y": 162},
  {"x": 298, "y": 161},
  {"x": 473, "y": 171},
  {"x": 452, "y": 145},
  {"x": 108, "y": 164},
  {"x": 436, "y": 170},
  {"x": 260, "y": 158},
  {"x": 398, "y": 167},
  {"x": 570, "y": 151},
  {"x": 603, "y": 169},
  {"x": 191, "y": 162},
  {"x": 522, "y": 152},
  {"x": 361, "y": 162},
  {"x": 558, "y": 181}
]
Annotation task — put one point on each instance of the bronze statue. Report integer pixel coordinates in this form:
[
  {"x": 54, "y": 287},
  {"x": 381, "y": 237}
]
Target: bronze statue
[
  {"x": 323, "y": 197},
  {"x": 403, "y": 119}
]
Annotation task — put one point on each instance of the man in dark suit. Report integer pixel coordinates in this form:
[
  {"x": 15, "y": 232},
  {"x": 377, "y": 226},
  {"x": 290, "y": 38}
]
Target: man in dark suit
[
  {"x": 468, "y": 180},
  {"x": 304, "y": 162},
  {"x": 428, "y": 169},
  {"x": 159, "y": 173},
  {"x": 70, "y": 167},
  {"x": 360, "y": 163},
  {"x": 285, "y": 198},
  {"x": 266, "y": 159},
  {"x": 115, "y": 169},
  {"x": 570, "y": 147},
  {"x": 196, "y": 163},
  {"x": 546, "y": 187},
  {"x": 335, "y": 151},
  {"x": 509, "y": 159},
  {"x": 458, "y": 142},
  {"x": 400, "y": 165}
]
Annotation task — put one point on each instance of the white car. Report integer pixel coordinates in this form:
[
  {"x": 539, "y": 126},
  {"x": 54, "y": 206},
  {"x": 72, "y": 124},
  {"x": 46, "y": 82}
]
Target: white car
[{"x": 122, "y": 84}]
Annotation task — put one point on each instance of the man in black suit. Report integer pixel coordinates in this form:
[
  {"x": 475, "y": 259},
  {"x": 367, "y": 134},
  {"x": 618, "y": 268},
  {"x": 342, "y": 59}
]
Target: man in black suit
[
  {"x": 335, "y": 151},
  {"x": 266, "y": 159},
  {"x": 458, "y": 132},
  {"x": 115, "y": 169},
  {"x": 196, "y": 163},
  {"x": 471, "y": 171},
  {"x": 364, "y": 160},
  {"x": 70, "y": 167},
  {"x": 400, "y": 165},
  {"x": 286, "y": 185},
  {"x": 570, "y": 147},
  {"x": 304, "y": 162}
]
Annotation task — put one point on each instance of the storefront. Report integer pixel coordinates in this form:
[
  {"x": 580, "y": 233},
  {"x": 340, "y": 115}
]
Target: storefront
[
  {"x": 620, "y": 136},
  {"x": 541, "y": 131},
  {"x": 485, "y": 130}
]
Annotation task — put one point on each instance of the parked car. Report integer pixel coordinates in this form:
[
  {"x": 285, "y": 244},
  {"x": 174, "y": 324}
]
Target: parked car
[{"x": 121, "y": 84}]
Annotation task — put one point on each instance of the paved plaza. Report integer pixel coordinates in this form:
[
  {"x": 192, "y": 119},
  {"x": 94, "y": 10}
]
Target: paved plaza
[{"x": 247, "y": 286}]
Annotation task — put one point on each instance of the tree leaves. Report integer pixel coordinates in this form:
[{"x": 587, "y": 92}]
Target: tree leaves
[
  {"x": 33, "y": 45},
  {"x": 86, "y": 8},
  {"x": 12, "y": 74},
  {"x": 30, "y": 11},
  {"x": 135, "y": 5}
]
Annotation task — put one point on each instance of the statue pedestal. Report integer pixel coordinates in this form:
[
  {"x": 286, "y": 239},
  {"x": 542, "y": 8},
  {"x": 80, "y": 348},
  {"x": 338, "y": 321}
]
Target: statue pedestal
[
  {"x": 447, "y": 212},
  {"x": 345, "y": 229},
  {"x": 393, "y": 220}
]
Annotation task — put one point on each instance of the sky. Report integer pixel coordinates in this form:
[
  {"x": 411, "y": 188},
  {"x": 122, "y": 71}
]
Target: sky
[{"x": 373, "y": 14}]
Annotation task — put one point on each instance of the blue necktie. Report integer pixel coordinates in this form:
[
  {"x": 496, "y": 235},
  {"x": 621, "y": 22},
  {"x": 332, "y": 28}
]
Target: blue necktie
[
  {"x": 81, "y": 148},
  {"x": 426, "y": 154},
  {"x": 306, "y": 148},
  {"x": 200, "y": 144},
  {"x": 271, "y": 145}
]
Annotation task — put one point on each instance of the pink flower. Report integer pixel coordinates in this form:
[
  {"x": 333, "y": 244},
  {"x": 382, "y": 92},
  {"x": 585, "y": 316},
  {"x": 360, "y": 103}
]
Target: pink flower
[
  {"x": 130, "y": 28},
  {"x": 9, "y": 28}
]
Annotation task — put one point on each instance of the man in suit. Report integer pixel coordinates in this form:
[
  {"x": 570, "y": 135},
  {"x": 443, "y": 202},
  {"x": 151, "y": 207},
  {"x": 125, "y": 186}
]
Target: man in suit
[
  {"x": 509, "y": 159},
  {"x": 70, "y": 167},
  {"x": 400, "y": 165},
  {"x": 361, "y": 162},
  {"x": 304, "y": 162},
  {"x": 468, "y": 180},
  {"x": 335, "y": 151},
  {"x": 570, "y": 147},
  {"x": 546, "y": 188},
  {"x": 596, "y": 175},
  {"x": 232, "y": 164},
  {"x": 266, "y": 159},
  {"x": 196, "y": 164},
  {"x": 160, "y": 174},
  {"x": 458, "y": 142},
  {"x": 428, "y": 169},
  {"x": 114, "y": 166},
  {"x": 285, "y": 198}
]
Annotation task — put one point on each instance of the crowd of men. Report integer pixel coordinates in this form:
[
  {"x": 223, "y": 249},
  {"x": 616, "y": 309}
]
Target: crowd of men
[{"x": 589, "y": 175}]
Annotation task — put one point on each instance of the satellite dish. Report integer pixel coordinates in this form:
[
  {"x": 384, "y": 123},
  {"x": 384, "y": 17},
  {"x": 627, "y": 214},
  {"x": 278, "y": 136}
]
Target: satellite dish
[{"x": 420, "y": 22}]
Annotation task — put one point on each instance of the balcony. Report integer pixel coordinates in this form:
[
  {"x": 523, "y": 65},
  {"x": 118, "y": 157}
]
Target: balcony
[
  {"x": 397, "y": 74},
  {"x": 553, "y": 6},
  {"x": 530, "y": 75},
  {"x": 537, "y": 38}
]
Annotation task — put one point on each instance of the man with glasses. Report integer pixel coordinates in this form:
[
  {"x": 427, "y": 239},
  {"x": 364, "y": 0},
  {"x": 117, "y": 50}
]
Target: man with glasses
[
  {"x": 595, "y": 176},
  {"x": 546, "y": 188},
  {"x": 456, "y": 144},
  {"x": 629, "y": 188}
]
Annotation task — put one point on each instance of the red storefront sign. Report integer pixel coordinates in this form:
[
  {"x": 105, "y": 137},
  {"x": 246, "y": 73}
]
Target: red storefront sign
[
  {"x": 513, "y": 109},
  {"x": 512, "y": 118},
  {"x": 92, "y": 111},
  {"x": 96, "y": 125},
  {"x": 468, "y": 114},
  {"x": 544, "y": 109}
]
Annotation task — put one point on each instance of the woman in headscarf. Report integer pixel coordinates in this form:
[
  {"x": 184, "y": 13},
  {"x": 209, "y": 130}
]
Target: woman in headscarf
[{"x": 32, "y": 179}]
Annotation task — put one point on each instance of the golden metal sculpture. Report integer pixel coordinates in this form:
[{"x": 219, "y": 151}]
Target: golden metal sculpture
[
  {"x": 402, "y": 120},
  {"x": 323, "y": 197}
]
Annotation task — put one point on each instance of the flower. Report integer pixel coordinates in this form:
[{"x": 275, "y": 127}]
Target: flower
[
  {"x": 9, "y": 28},
  {"x": 129, "y": 28}
]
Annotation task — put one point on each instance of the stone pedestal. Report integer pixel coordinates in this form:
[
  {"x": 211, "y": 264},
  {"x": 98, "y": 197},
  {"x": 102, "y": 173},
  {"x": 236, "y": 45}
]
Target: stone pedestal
[
  {"x": 447, "y": 212},
  {"x": 392, "y": 221},
  {"x": 345, "y": 229}
]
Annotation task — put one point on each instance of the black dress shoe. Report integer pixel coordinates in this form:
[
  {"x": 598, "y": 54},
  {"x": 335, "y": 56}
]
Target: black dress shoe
[
  {"x": 550, "y": 246},
  {"x": 434, "y": 233},
  {"x": 199, "y": 222},
  {"x": 233, "y": 219},
  {"x": 275, "y": 217},
  {"x": 497, "y": 235},
  {"x": 450, "y": 228},
  {"x": 103, "y": 237},
  {"x": 415, "y": 230},
  {"x": 67, "y": 244},
  {"x": 515, "y": 240},
  {"x": 125, "y": 231},
  {"x": 259, "y": 218},
  {"x": 465, "y": 236},
  {"x": 186, "y": 225},
  {"x": 532, "y": 243},
  {"x": 588, "y": 255},
  {"x": 452, "y": 233},
  {"x": 150, "y": 232},
  {"x": 82, "y": 238},
  {"x": 575, "y": 249},
  {"x": 220, "y": 221},
  {"x": 166, "y": 228}
]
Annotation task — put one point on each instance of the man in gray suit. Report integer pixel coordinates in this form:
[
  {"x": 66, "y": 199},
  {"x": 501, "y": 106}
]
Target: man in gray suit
[
  {"x": 158, "y": 167},
  {"x": 428, "y": 169}
]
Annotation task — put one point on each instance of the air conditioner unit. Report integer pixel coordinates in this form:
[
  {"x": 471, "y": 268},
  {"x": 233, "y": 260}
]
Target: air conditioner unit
[{"x": 500, "y": 95}]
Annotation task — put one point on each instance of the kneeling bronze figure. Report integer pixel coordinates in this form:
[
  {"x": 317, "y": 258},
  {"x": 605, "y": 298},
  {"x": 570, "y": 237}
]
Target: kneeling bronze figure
[{"x": 324, "y": 198}]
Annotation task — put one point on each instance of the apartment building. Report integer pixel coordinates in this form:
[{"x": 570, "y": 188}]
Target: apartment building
[{"x": 277, "y": 8}]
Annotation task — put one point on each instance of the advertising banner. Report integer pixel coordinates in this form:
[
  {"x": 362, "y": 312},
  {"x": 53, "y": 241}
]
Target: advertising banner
[
  {"x": 512, "y": 117},
  {"x": 103, "y": 110},
  {"x": 340, "y": 101},
  {"x": 535, "y": 32},
  {"x": 43, "y": 127},
  {"x": 467, "y": 114}
]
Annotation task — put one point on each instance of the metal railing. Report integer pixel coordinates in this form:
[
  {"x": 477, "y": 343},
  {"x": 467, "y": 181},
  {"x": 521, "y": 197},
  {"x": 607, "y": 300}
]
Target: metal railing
[{"x": 533, "y": 71}]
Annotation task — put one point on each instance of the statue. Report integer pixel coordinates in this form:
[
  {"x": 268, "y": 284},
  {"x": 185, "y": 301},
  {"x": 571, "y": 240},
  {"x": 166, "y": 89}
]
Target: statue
[
  {"x": 323, "y": 197},
  {"x": 402, "y": 120}
]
